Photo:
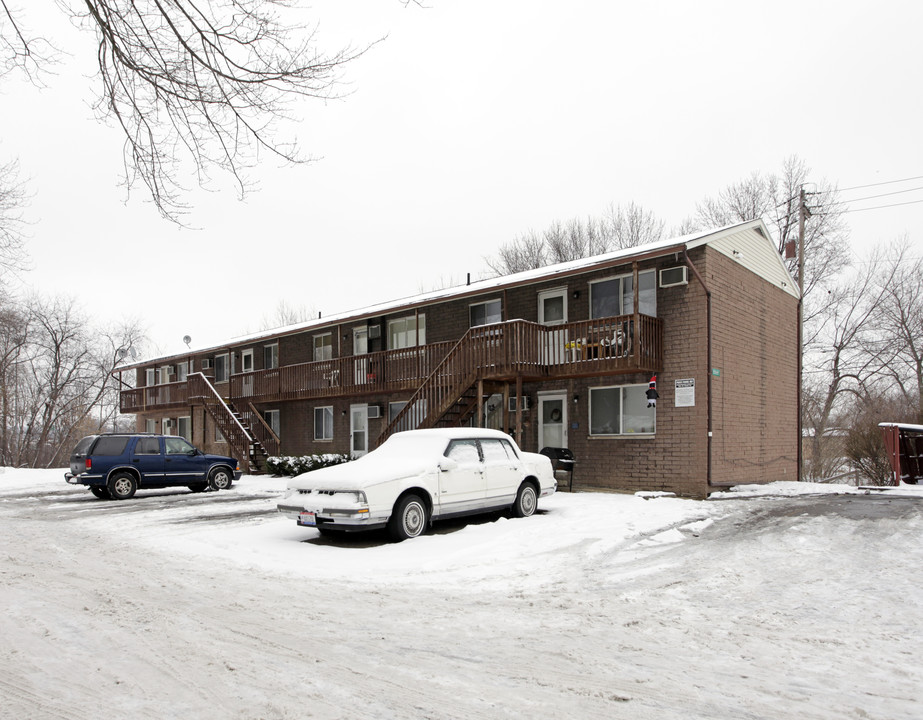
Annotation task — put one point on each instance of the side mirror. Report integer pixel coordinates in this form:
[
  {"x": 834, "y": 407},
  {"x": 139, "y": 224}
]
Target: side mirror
[{"x": 447, "y": 464}]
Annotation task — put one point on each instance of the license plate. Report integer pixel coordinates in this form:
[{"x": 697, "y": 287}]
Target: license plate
[{"x": 307, "y": 518}]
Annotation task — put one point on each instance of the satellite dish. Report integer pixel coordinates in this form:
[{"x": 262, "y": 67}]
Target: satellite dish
[
  {"x": 187, "y": 340},
  {"x": 133, "y": 353},
  {"x": 122, "y": 352}
]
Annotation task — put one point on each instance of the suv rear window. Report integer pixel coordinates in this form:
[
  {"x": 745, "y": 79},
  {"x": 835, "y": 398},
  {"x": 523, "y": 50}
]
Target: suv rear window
[
  {"x": 84, "y": 445},
  {"x": 110, "y": 446}
]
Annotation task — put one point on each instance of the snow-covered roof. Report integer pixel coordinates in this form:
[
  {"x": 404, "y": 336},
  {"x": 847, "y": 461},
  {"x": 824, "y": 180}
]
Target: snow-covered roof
[{"x": 747, "y": 243}]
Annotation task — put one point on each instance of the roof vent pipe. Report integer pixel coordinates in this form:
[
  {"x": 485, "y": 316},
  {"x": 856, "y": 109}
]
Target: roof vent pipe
[{"x": 469, "y": 279}]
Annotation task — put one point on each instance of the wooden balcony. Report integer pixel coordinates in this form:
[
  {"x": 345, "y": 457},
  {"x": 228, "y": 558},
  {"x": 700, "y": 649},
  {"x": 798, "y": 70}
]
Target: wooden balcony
[{"x": 503, "y": 351}]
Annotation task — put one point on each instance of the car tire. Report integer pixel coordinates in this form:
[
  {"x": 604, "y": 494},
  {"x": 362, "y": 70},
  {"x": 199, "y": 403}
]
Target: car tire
[
  {"x": 122, "y": 486},
  {"x": 220, "y": 479},
  {"x": 100, "y": 492},
  {"x": 526, "y": 500},
  {"x": 199, "y": 487},
  {"x": 409, "y": 519}
]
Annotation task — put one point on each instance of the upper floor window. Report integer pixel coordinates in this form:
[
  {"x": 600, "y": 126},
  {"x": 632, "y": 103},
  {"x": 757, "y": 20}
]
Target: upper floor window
[
  {"x": 182, "y": 371},
  {"x": 323, "y": 347},
  {"x": 246, "y": 361},
  {"x": 149, "y": 374},
  {"x": 486, "y": 313},
  {"x": 407, "y": 332},
  {"x": 271, "y": 356},
  {"x": 616, "y": 296},
  {"x": 222, "y": 368}
]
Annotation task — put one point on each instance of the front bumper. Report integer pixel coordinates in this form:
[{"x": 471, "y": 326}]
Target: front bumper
[{"x": 344, "y": 519}]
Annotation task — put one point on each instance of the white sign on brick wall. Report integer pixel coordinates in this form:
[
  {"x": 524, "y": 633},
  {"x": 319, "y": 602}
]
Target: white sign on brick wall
[{"x": 684, "y": 392}]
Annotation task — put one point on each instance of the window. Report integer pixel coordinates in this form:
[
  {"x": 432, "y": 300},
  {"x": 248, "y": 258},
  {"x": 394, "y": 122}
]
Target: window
[
  {"x": 219, "y": 436},
  {"x": 323, "y": 423},
  {"x": 615, "y": 296},
  {"x": 486, "y": 313},
  {"x": 552, "y": 307},
  {"x": 165, "y": 375},
  {"x": 323, "y": 347},
  {"x": 246, "y": 361},
  {"x": 497, "y": 451},
  {"x": 621, "y": 410},
  {"x": 177, "y": 446},
  {"x": 148, "y": 446},
  {"x": 221, "y": 368},
  {"x": 149, "y": 377},
  {"x": 272, "y": 419},
  {"x": 271, "y": 356},
  {"x": 184, "y": 427},
  {"x": 464, "y": 451},
  {"x": 150, "y": 426},
  {"x": 167, "y": 426},
  {"x": 407, "y": 332},
  {"x": 182, "y": 371},
  {"x": 111, "y": 445},
  {"x": 412, "y": 420}
]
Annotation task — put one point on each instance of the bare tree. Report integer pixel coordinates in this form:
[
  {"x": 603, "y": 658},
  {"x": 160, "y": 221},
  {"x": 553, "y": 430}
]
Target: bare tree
[
  {"x": 286, "y": 314},
  {"x": 837, "y": 364},
  {"x": 12, "y": 225},
  {"x": 899, "y": 323},
  {"x": 777, "y": 199},
  {"x": 616, "y": 229},
  {"x": 200, "y": 80}
]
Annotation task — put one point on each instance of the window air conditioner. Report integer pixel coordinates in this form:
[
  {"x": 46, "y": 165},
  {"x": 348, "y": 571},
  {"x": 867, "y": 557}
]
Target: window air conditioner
[
  {"x": 669, "y": 277},
  {"x": 374, "y": 411},
  {"x": 207, "y": 364}
]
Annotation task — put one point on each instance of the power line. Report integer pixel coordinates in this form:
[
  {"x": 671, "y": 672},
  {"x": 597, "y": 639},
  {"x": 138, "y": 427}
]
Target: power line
[
  {"x": 872, "y": 197},
  {"x": 886, "y": 182},
  {"x": 879, "y": 207}
]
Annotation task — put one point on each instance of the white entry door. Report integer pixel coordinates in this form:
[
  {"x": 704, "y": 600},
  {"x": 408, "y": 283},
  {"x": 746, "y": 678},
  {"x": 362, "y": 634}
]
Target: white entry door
[
  {"x": 552, "y": 423},
  {"x": 360, "y": 349},
  {"x": 358, "y": 430},
  {"x": 552, "y": 310}
]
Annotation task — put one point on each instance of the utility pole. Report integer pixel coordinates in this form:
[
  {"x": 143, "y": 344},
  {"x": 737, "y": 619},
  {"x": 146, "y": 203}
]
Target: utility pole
[{"x": 802, "y": 215}]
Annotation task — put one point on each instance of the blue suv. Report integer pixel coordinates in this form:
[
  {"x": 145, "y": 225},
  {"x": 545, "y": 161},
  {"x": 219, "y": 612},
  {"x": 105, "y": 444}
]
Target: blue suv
[{"x": 118, "y": 464}]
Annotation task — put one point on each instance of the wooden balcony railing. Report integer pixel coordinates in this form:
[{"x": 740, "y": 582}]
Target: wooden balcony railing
[
  {"x": 605, "y": 346},
  {"x": 524, "y": 349}
]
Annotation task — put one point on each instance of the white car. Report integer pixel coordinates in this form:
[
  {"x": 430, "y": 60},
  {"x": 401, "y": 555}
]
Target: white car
[{"x": 419, "y": 476}]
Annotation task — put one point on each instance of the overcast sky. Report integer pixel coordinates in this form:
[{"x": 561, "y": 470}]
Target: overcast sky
[{"x": 471, "y": 123}]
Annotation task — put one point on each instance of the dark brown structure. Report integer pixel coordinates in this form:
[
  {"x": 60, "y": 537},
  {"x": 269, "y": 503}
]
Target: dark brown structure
[{"x": 557, "y": 357}]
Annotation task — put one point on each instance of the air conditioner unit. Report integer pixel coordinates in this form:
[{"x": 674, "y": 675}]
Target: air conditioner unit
[
  {"x": 171, "y": 369},
  {"x": 374, "y": 331},
  {"x": 374, "y": 411},
  {"x": 670, "y": 277},
  {"x": 207, "y": 364},
  {"x": 525, "y": 403}
]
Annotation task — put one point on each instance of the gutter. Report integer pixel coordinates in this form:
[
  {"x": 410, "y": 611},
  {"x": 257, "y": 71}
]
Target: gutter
[{"x": 708, "y": 375}]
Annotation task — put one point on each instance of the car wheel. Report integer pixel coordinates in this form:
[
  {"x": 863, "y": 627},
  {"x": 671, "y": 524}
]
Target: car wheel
[
  {"x": 199, "y": 487},
  {"x": 526, "y": 500},
  {"x": 220, "y": 479},
  {"x": 101, "y": 492},
  {"x": 409, "y": 518},
  {"x": 122, "y": 486}
]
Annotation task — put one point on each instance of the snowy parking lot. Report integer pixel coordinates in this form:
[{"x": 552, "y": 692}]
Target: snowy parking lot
[{"x": 786, "y": 601}]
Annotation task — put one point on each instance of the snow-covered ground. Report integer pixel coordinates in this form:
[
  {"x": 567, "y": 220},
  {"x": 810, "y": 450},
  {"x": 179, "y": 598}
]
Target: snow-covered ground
[{"x": 792, "y": 600}]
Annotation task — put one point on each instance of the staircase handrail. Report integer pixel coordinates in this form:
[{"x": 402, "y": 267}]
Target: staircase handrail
[{"x": 224, "y": 405}]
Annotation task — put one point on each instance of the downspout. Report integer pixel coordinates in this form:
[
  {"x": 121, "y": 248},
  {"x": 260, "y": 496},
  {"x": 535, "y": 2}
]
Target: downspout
[{"x": 708, "y": 376}]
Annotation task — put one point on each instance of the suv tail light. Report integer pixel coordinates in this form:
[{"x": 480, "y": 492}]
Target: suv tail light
[{"x": 89, "y": 463}]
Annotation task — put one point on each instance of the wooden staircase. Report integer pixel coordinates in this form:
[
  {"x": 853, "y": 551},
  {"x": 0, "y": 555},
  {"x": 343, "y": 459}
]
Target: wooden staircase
[
  {"x": 251, "y": 439},
  {"x": 449, "y": 396}
]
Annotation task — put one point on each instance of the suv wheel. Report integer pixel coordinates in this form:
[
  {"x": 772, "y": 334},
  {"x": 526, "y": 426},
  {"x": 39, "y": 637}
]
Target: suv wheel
[
  {"x": 122, "y": 486},
  {"x": 220, "y": 479}
]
